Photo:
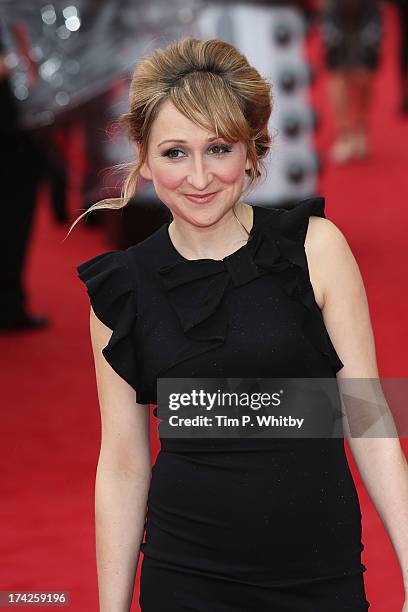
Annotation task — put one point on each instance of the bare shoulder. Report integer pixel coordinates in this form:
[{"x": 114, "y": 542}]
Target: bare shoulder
[
  {"x": 323, "y": 234},
  {"x": 125, "y": 444},
  {"x": 328, "y": 253},
  {"x": 340, "y": 293}
]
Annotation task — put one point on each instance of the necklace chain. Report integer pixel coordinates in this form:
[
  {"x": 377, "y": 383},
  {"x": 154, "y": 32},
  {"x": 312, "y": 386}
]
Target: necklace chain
[{"x": 241, "y": 224}]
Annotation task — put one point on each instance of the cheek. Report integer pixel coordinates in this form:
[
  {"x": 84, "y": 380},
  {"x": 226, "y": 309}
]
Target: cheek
[
  {"x": 169, "y": 177},
  {"x": 231, "y": 171}
]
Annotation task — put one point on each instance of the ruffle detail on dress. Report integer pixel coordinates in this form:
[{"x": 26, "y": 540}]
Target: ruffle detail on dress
[
  {"x": 196, "y": 288},
  {"x": 112, "y": 293},
  {"x": 292, "y": 233}
]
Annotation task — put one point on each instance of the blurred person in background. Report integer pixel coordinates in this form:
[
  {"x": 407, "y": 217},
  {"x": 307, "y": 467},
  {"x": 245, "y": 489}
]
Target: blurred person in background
[
  {"x": 95, "y": 119},
  {"x": 19, "y": 178},
  {"x": 352, "y": 32},
  {"x": 402, "y": 6},
  {"x": 26, "y": 160}
]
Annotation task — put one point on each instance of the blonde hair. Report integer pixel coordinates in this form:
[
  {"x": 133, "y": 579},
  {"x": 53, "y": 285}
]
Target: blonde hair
[{"x": 213, "y": 85}]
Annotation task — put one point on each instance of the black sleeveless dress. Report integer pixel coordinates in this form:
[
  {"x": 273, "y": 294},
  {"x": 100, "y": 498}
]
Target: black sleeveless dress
[{"x": 240, "y": 524}]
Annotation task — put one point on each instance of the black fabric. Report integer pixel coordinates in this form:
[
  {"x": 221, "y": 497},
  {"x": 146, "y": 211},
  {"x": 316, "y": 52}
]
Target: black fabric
[
  {"x": 24, "y": 165},
  {"x": 185, "y": 303},
  {"x": 112, "y": 291},
  {"x": 19, "y": 159},
  {"x": 402, "y": 6},
  {"x": 352, "y": 32},
  {"x": 234, "y": 524}
]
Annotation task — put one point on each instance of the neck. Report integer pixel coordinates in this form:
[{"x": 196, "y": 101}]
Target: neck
[{"x": 232, "y": 230}]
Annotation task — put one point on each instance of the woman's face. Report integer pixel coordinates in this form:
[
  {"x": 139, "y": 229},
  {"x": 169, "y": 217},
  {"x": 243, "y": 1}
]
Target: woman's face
[{"x": 185, "y": 160}]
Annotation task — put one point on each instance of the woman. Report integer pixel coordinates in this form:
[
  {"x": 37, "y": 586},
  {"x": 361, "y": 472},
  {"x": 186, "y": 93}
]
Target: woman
[
  {"x": 352, "y": 32},
  {"x": 224, "y": 291}
]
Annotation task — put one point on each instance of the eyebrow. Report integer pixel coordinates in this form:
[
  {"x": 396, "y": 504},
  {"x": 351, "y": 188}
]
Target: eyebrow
[{"x": 210, "y": 139}]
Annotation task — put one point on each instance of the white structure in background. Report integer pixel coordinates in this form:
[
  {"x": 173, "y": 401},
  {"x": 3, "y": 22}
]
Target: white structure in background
[
  {"x": 272, "y": 39},
  {"x": 66, "y": 52}
]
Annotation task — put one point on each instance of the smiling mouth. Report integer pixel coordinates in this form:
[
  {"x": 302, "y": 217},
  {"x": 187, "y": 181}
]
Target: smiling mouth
[
  {"x": 200, "y": 198},
  {"x": 200, "y": 195}
]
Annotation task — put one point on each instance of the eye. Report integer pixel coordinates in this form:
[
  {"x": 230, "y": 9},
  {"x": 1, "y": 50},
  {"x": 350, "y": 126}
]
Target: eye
[
  {"x": 223, "y": 148},
  {"x": 168, "y": 153}
]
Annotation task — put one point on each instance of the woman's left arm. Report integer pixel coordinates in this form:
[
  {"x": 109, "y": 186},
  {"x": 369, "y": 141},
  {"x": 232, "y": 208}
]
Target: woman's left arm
[{"x": 336, "y": 279}]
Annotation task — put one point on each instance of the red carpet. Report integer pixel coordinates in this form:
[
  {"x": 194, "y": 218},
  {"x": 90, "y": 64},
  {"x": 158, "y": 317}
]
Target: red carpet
[
  {"x": 368, "y": 202},
  {"x": 50, "y": 435}
]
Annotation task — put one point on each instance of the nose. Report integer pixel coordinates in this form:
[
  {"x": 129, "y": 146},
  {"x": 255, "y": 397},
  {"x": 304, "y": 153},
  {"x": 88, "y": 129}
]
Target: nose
[{"x": 199, "y": 176}]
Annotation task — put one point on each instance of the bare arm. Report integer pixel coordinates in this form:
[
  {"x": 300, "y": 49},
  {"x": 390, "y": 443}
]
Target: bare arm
[
  {"x": 340, "y": 289},
  {"x": 122, "y": 479}
]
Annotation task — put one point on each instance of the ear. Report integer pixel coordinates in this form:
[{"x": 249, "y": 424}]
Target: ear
[
  {"x": 144, "y": 170},
  {"x": 248, "y": 164}
]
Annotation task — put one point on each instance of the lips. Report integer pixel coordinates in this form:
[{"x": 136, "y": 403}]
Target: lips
[{"x": 200, "y": 197}]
